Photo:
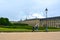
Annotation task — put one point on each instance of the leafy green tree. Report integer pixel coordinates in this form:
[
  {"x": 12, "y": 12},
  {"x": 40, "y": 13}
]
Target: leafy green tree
[{"x": 4, "y": 21}]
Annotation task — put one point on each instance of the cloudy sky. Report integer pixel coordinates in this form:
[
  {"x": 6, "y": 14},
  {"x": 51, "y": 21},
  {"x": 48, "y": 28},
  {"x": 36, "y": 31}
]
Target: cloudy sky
[{"x": 16, "y": 10}]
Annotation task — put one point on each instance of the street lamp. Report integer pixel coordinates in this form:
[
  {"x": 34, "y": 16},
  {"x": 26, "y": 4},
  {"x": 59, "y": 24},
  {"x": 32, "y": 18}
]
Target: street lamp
[{"x": 46, "y": 19}]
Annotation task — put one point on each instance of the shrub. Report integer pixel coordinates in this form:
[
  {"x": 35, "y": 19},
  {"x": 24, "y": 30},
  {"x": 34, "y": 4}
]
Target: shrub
[{"x": 20, "y": 24}]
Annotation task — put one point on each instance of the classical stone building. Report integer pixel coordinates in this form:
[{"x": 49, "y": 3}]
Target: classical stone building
[
  {"x": 31, "y": 22},
  {"x": 51, "y": 22}
]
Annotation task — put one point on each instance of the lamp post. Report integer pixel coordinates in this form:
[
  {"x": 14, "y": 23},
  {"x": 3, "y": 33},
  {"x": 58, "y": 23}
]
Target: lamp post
[{"x": 46, "y": 20}]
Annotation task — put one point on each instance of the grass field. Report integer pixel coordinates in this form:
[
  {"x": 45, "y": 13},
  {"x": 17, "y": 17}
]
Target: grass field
[
  {"x": 25, "y": 29},
  {"x": 15, "y": 28}
]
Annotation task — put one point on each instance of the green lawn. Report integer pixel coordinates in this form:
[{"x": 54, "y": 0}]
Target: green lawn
[
  {"x": 55, "y": 30},
  {"x": 25, "y": 29},
  {"x": 13, "y": 30}
]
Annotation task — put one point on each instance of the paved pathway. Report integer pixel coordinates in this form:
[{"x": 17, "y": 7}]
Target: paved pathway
[{"x": 30, "y": 36}]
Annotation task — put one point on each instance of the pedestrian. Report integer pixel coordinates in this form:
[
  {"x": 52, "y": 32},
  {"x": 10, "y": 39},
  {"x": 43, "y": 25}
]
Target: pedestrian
[
  {"x": 36, "y": 27},
  {"x": 33, "y": 28}
]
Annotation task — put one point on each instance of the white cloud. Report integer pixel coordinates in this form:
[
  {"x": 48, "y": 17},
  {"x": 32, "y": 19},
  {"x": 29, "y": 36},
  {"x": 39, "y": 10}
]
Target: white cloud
[{"x": 35, "y": 15}]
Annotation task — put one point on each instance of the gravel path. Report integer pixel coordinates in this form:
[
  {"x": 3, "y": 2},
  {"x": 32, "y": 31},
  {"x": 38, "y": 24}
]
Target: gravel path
[{"x": 30, "y": 36}]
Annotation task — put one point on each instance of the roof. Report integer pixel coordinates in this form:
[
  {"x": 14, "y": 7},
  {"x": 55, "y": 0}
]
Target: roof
[
  {"x": 58, "y": 17},
  {"x": 32, "y": 19}
]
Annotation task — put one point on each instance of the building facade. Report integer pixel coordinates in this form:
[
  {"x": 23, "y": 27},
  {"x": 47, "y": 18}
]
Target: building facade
[
  {"x": 50, "y": 22},
  {"x": 31, "y": 22}
]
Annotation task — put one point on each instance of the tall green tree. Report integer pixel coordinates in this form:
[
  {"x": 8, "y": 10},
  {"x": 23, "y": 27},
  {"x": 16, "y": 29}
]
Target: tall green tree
[{"x": 4, "y": 21}]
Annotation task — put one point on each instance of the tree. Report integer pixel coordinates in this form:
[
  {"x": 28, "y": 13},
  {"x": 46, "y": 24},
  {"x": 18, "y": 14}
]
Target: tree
[{"x": 4, "y": 21}]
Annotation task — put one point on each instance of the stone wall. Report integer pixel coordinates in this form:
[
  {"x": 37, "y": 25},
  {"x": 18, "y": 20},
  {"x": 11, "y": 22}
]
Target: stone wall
[
  {"x": 51, "y": 22},
  {"x": 31, "y": 22}
]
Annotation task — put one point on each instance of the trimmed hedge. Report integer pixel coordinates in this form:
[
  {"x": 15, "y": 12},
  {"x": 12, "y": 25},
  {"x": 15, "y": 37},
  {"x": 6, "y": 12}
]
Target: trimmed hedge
[{"x": 20, "y": 24}]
